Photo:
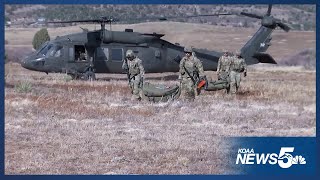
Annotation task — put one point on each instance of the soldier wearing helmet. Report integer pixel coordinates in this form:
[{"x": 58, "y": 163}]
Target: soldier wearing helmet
[
  {"x": 190, "y": 71},
  {"x": 238, "y": 65},
  {"x": 135, "y": 71},
  {"x": 223, "y": 68}
]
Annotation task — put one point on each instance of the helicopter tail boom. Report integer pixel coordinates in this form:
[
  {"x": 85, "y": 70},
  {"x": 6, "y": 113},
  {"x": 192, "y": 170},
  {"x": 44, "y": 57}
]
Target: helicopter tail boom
[
  {"x": 253, "y": 50},
  {"x": 264, "y": 58}
]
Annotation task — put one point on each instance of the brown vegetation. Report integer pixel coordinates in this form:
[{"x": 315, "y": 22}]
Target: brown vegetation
[{"x": 78, "y": 127}]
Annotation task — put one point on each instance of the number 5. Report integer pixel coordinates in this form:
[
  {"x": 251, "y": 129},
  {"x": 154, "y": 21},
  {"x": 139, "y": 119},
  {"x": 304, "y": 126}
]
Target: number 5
[{"x": 284, "y": 154}]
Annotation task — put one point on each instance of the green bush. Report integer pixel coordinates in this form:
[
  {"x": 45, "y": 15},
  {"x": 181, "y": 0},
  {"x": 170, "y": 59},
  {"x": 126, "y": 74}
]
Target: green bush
[
  {"x": 40, "y": 37},
  {"x": 23, "y": 87},
  {"x": 67, "y": 78}
]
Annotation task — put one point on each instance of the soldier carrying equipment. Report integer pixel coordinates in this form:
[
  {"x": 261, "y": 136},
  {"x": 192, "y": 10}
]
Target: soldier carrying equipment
[
  {"x": 223, "y": 69},
  {"x": 135, "y": 74},
  {"x": 237, "y": 66},
  {"x": 191, "y": 70}
]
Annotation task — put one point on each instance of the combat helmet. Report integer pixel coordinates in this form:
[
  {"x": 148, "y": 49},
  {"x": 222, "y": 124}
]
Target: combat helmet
[
  {"x": 129, "y": 53},
  {"x": 188, "y": 49},
  {"x": 225, "y": 51}
]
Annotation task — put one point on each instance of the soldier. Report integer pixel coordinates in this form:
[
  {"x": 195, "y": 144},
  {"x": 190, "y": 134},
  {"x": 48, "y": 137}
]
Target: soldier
[
  {"x": 135, "y": 72},
  {"x": 191, "y": 70},
  {"x": 238, "y": 65},
  {"x": 83, "y": 56},
  {"x": 223, "y": 68}
]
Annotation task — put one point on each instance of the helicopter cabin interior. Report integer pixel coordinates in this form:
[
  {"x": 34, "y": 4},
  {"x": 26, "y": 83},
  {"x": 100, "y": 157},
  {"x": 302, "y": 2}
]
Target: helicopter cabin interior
[{"x": 80, "y": 53}]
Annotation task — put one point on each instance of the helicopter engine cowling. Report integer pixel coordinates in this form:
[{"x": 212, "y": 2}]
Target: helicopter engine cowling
[
  {"x": 125, "y": 37},
  {"x": 107, "y": 37}
]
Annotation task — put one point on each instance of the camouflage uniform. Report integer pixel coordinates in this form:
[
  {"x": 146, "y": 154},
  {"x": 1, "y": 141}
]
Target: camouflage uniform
[
  {"x": 194, "y": 67},
  {"x": 136, "y": 74},
  {"x": 223, "y": 68},
  {"x": 83, "y": 56},
  {"x": 238, "y": 65}
]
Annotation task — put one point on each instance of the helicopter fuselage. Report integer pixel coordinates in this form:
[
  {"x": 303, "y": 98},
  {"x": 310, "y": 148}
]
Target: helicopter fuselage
[{"x": 85, "y": 51}]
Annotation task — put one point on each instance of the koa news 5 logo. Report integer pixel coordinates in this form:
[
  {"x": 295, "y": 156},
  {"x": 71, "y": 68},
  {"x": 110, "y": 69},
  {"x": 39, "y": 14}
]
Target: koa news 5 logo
[{"x": 284, "y": 159}]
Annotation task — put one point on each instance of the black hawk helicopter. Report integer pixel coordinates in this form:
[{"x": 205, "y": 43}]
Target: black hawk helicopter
[{"x": 83, "y": 54}]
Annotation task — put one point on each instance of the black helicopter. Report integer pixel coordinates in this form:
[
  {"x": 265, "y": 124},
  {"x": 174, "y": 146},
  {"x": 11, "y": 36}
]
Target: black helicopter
[{"x": 83, "y": 54}]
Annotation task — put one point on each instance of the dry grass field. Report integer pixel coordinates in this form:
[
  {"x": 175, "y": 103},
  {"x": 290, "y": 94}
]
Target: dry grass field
[{"x": 54, "y": 125}]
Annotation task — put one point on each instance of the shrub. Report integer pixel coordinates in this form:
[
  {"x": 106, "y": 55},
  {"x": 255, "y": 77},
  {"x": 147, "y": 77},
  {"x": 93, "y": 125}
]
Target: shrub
[
  {"x": 67, "y": 78},
  {"x": 40, "y": 37},
  {"x": 23, "y": 87}
]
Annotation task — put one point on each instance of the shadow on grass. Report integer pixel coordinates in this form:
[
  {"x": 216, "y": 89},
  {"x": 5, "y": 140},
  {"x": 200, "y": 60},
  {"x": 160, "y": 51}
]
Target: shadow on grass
[{"x": 163, "y": 78}]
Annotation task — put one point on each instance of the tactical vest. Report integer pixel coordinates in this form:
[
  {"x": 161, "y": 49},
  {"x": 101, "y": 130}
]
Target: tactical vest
[
  {"x": 237, "y": 64},
  {"x": 225, "y": 63},
  {"x": 134, "y": 67},
  {"x": 190, "y": 66}
]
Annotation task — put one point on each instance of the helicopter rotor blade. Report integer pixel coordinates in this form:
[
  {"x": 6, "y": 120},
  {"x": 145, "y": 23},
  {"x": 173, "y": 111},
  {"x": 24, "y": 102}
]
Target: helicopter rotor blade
[
  {"x": 76, "y": 21},
  {"x": 283, "y": 26},
  {"x": 101, "y": 20},
  {"x": 110, "y": 19},
  {"x": 191, "y": 16},
  {"x": 269, "y": 10},
  {"x": 251, "y": 15}
]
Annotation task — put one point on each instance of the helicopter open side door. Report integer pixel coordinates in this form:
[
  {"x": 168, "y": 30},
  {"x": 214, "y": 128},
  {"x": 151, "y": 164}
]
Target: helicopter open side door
[
  {"x": 101, "y": 57},
  {"x": 78, "y": 59}
]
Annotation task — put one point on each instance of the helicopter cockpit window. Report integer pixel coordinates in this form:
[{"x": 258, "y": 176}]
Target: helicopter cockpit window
[
  {"x": 54, "y": 51},
  {"x": 80, "y": 53},
  {"x": 58, "y": 53},
  {"x": 43, "y": 45},
  {"x": 45, "y": 48},
  {"x": 116, "y": 54}
]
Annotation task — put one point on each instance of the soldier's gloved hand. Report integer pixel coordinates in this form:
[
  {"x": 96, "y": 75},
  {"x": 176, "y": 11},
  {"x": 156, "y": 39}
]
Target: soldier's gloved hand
[
  {"x": 203, "y": 78},
  {"x": 245, "y": 74}
]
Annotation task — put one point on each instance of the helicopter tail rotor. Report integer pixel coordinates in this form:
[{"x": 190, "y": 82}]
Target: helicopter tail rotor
[{"x": 267, "y": 20}]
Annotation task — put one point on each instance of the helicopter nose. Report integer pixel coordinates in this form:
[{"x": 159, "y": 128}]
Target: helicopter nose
[
  {"x": 24, "y": 63},
  {"x": 27, "y": 63}
]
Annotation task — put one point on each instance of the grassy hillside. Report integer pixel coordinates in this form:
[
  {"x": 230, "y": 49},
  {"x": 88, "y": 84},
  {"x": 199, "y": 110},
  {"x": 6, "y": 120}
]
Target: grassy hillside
[{"x": 300, "y": 17}]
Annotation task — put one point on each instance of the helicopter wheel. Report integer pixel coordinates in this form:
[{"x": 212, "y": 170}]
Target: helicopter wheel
[{"x": 89, "y": 75}]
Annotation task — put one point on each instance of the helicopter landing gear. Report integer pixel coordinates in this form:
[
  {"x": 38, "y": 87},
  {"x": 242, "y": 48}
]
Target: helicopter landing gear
[{"x": 89, "y": 75}]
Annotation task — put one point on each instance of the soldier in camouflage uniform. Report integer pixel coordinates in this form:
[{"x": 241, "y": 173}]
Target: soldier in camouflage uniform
[
  {"x": 223, "y": 69},
  {"x": 238, "y": 65},
  {"x": 135, "y": 70},
  {"x": 191, "y": 70}
]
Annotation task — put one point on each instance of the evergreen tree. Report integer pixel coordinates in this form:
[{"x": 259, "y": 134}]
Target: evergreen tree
[{"x": 40, "y": 37}]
